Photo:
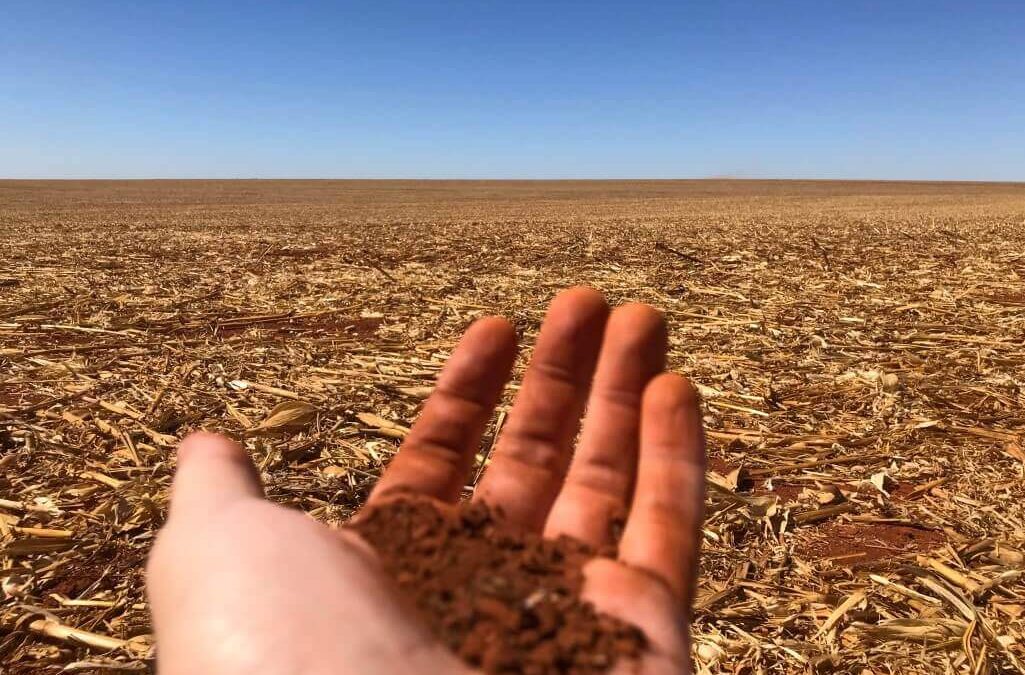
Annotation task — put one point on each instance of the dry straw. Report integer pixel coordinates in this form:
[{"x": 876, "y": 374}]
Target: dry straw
[{"x": 859, "y": 348}]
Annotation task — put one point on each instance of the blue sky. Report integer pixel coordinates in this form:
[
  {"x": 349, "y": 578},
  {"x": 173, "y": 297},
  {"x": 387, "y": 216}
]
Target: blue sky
[{"x": 902, "y": 90}]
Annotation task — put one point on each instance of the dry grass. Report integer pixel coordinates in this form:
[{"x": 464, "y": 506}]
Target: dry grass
[{"x": 859, "y": 347}]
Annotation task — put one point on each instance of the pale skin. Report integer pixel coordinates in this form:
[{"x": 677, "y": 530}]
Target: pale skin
[{"x": 238, "y": 585}]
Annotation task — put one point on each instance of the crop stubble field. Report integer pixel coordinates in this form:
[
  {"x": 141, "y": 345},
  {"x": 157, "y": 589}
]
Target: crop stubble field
[{"x": 858, "y": 346}]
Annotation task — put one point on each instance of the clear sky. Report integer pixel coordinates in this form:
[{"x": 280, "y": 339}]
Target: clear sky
[{"x": 892, "y": 89}]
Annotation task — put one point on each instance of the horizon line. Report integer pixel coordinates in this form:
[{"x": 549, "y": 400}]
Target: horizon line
[{"x": 523, "y": 180}]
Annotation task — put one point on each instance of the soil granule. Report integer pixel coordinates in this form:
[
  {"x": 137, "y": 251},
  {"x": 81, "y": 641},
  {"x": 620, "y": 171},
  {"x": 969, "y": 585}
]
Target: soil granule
[{"x": 503, "y": 602}]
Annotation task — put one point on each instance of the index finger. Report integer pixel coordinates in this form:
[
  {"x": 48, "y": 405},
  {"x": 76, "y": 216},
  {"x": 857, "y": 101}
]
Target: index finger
[{"x": 435, "y": 459}]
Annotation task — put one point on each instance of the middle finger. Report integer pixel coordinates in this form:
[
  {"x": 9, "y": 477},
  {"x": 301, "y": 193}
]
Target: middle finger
[{"x": 534, "y": 448}]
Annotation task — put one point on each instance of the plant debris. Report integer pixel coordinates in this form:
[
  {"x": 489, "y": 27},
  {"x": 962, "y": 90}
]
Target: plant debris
[{"x": 859, "y": 348}]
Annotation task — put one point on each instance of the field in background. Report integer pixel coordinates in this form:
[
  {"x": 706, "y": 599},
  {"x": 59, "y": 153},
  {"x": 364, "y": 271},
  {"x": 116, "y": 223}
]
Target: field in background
[{"x": 859, "y": 347}]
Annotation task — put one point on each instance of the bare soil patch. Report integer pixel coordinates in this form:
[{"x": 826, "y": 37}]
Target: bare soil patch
[{"x": 867, "y": 542}]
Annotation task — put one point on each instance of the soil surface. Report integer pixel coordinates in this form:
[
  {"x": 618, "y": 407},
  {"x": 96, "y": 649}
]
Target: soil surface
[
  {"x": 868, "y": 542},
  {"x": 790, "y": 299},
  {"x": 504, "y": 603}
]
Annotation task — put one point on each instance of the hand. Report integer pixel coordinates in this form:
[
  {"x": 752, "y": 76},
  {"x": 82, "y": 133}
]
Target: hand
[{"x": 239, "y": 585}]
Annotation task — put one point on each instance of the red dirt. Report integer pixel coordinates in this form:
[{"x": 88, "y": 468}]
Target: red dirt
[
  {"x": 867, "y": 542},
  {"x": 504, "y": 603},
  {"x": 903, "y": 490},
  {"x": 787, "y": 492},
  {"x": 16, "y": 397},
  {"x": 112, "y": 559}
]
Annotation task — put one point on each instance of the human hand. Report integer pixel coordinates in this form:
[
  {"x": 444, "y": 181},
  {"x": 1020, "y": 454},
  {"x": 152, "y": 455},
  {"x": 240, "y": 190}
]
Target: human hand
[{"x": 239, "y": 585}]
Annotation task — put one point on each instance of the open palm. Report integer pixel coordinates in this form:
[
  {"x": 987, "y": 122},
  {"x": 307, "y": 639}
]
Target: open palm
[{"x": 239, "y": 585}]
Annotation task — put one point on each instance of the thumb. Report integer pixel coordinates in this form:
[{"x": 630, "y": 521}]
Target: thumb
[{"x": 213, "y": 472}]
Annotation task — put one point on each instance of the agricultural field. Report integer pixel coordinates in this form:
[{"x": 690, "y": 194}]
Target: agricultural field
[{"x": 858, "y": 347}]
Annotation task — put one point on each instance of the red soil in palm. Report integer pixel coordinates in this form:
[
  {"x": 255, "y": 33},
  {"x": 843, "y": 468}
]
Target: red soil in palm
[{"x": 505, "y": 603}]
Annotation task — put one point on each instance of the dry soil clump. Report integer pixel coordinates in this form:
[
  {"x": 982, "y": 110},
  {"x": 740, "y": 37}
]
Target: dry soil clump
[{"x": 504, "y": 602}]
